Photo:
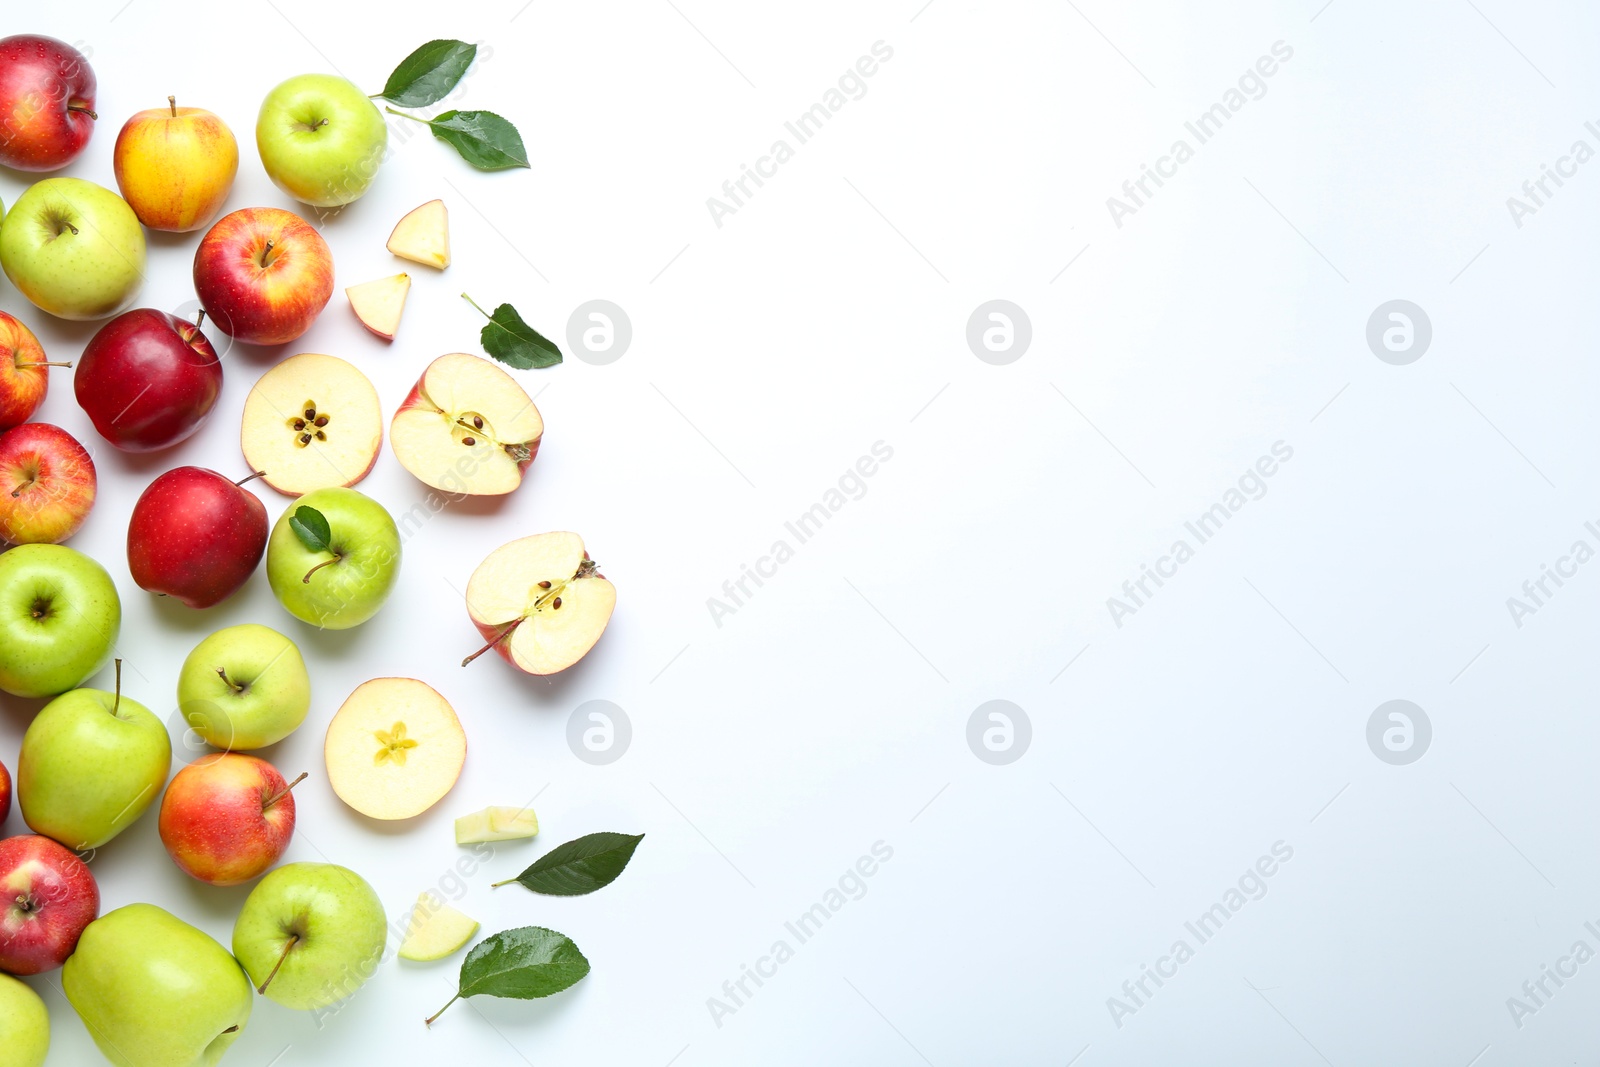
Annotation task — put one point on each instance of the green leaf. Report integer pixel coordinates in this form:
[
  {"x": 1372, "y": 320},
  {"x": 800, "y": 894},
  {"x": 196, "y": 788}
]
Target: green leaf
[
  {"x": 428, "y": 74},
  {"x": 525, "y": 964},
  {"x": 312, "y": 529},
  {"x": 483, "y": 138},
  {"x": 582, "y": 866},
  {"x": 512, "y": 341}
]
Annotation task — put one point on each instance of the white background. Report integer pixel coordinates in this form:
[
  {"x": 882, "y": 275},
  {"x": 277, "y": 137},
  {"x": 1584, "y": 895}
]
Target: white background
[{"x": 830, "y": 711}]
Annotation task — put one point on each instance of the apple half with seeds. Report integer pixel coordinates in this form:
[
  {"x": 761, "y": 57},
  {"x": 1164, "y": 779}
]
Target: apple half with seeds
[
  {"x": 466, "y": 427},
  {"x": 541, "y": 602},
  {"x": 312, "y": 422},
  {"x": 423, "y": 236},
  {"x": 394, "y": 749}
]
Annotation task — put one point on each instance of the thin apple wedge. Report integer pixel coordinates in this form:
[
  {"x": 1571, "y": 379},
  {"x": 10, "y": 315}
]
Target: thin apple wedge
[
  {"x": 423, "y": 236},
  {"x": 540, "y": 601},
  {"x": 497, "y": 824},
  {"x": 436, "y": 930},
  {"x": 379, "y": 303}
]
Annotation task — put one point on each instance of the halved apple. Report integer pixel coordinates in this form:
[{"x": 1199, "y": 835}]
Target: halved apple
[
  {"x": 378, "y": 304},
  {"x": 540, "y": 602},
  {"x": 467, "y": 427},
  {"x": 423, "y": 236},
  {"x": 436, "y": 930},
  {"x": 394, "y": 748},
  {"x": 312, "y": 422},
  {"x": 497, "y": 824}
]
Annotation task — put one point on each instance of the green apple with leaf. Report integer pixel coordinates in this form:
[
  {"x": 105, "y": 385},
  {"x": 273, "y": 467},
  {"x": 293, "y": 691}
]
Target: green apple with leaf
[
  {"x": 156, "y": 992},
  {"x": 310, "y": 934},
  {"x": 59, "y": 618},
  {"x": 244, "y": 687},
  {"x": 333, "y": 558},
  {"x": 24, "y": 1024},
  {"x": 321, "y": 139}
]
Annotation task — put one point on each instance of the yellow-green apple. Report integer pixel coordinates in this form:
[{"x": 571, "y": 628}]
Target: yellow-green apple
[
  {"x": 378, "y": 304},
  {"x": 244, "y": 687},
  {"x": 175, "y": 166},
  {"x": 91, "y": 763},
  {"x": 466, "y": 427},
  {"x": 47, "y": 484},
  {"x": 24, "y": 372},
  {"x": 342, "y": 580},
  {"x": 74, "y": 248},
  {"x": 47, "y": 98},
  {"x": 311, "y": 422},
  {"x": 540, "y": 601},
  {"x": 423, "y": 236},
  {"x": 59, "y": 618},
  {"x": 321, "y": 139},
  {"x": 147, "y": 380},
  {"x": 196, "y": 536},
  {"x": 156, "y": 992},
  {"x": 226, "y": 818},
  {"x": 47, "y": 897},
  {"x": 394, "y": 748},
  {"x": 310, "y": 934},
  {"x": 263, "y": 275},
  {"x": 24, "y": 1024}
]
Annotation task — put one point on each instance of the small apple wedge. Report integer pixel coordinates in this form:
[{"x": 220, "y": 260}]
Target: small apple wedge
[
  {"x": 379, "y": 304},
  {"x": 540, "y": 601},
  {"x": 497, "y": 824},
  {"x": 394, "y": 749},
  {"x": 436, "y": 930},
  {"x": 311, "y": 422},
  {"x": 423, "y": 236},
  {"x": 467, "y": 427}
]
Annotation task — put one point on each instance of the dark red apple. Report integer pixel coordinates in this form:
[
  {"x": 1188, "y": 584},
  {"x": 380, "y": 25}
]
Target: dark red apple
[
  {"x": 196, "y": 536},
  {"x": 46, "y": 102},
  {"x": 147, "y": 380},
  {"x": 5, "y": 793},
  {"x": 263, "y": 275},
  {"x": 49, "y": 898}
]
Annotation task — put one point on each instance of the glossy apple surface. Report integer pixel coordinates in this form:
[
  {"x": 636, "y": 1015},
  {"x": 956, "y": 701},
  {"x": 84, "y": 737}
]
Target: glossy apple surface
[
  {"x": 24, "y": 1024},
  {"x": 147, "y": 380},
  {"x": 24, "y": 372},
  {"x": 244, "y": 687},
  {"x": 175, "y": 166},
  {"x": 59, "y": 617},
  {"x": 74, "y": 248},
  {"x": 321, "y": 139},
  {"x": 345, "y": 585},
  {"x": 227, "y": 818},
  {"x": 47, "y": 484},
  {"x": 195, "y": 536},
  {"x": 5, "y": 794},
  {"x": 320, "y": 925},
  {"x": 47, "y": 897},
  {"x": 47, "y": 100},
  {"x": 263, "y": 275}
]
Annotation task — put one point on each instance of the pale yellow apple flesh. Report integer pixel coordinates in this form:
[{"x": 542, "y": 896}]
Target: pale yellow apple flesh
[
  {"x": 394, "y": 749},
  {"x": 312, "y": 422},
  {"x": 540, "y": 601},
  {"x": 467, "y": 427},
  {"x": 436, "y": 930},
  {"x": 497, "y": 824},
  {"x": 379, "y": 304},
  {"x": 423, "y": 236}
]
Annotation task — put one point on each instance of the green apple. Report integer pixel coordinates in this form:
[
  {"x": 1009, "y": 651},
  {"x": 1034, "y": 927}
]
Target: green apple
[
  {"x": 24, "y": 1024},
  {"x": 244, "y": 687},
  {"x": 345, "y": 583},
  {"x": 91, "y": 763},
  {"x": 321, "y": 139},
  {"x": 59, "y": 618},
  {"x": 156, "y": 992},
  {"x": 74, "y": 248},
  {"x": 310, "y": 934}
]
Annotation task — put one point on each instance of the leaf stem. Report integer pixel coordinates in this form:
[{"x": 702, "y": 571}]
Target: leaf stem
[
  {"x": 474, "y": 303},
  {"x": 497, "y": 885},
  {"x": 403, "y": 115},
  {"x": 429, "y": 1020}
]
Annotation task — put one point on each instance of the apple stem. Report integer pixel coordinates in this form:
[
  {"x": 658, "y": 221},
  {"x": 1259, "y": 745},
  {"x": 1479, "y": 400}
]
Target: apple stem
[
  {"x": 318, "y": 567},
  {"x": 172, "y": 102},
  {"x": 45, "y": 363},
  {"x": 429, "y": 1020},
  {"x": 501, "y": 636},
  {"x": 234, "y": 1029},
  {"x": 116, "y": 699},
  {"x": 199, "y": 318},
  {"x": 86, "y": 110},
  {"x": 251, "y": 477},
  {"x": 265, "y": 259},
  {"x": 73, "y": 228},
  {"x": 280, "y": 794},
  {"x": 474, "y": 303},
  {"x": 230, "y": 683},
  {"x": 294, "y": 939}
]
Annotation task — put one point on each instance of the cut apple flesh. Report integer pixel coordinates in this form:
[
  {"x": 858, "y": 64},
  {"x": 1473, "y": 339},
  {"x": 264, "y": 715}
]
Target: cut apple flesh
[
  {"x": 467, "y": 427},
  {"x": 436, "y": 930},
  {"x": 540, "y": 601},
  {"x": 379, "y": 304},
  {"x": 394, "y": 749},
  {"x": 423, "y": 236},
  {"x": 312, "y": 422},
  {"x": 497, "y": 824}
]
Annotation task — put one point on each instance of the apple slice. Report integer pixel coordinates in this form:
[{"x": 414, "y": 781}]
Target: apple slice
[
  {"x": 436, "y": 930},
  {"x": 497, "y": 824},
  {"x": 378, "y": 304},
  {"x": 312, "y": 422},
  {"x": 467, "y": 427},
  {"x": 423, "y": 236},
  {"x": 394, "y": 749},
  {"x": 540, "y": 601}
]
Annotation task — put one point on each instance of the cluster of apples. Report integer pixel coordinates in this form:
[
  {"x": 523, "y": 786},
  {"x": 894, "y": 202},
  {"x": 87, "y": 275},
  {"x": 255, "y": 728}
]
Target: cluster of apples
[{"x": 92, "y": 762}]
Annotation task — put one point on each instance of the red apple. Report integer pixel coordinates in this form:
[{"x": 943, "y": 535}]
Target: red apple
[
  {"x": 226, "y": 818},
  {"x": 5, "y": 793},
  {"x": 196, "y": 536},
  {"x": 24, "y": 372},
  {"x": 263, "y": 275},
  {"x": 47, "y": 100},
  {"x": 147, "y": 380},
  {"x": 47, "y": 484},
  {"x": 47, "y": 897}
]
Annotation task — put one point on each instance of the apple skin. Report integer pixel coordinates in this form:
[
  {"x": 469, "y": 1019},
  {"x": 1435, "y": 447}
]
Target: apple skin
[
  {"x": 5, "y": 793},
  {"x": 24, "y": 372},
  {"x": 47, "y": 897},
  {"x": 339, "y": 926},
  {"x": 47, "y": 95},
  {"x": 147, "y": 380},
  {"x": 24, "y": 1024},
  {"x": 74, "y": 248},
  {"x": 175, "y": 166},
  {"x": 321, "y": 139},
  {"x": 195, "y": 536},
  {"x": 346, "y": 593},
  {"x": 77, "y": 621},
  {"x": 244, "y": 687},
  {"x": 51, "y": 481},
  {"x": 263, "y": 275},
  {"x": 215, "y": 821}
]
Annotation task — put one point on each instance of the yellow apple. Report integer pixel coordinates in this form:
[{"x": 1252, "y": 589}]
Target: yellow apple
[{"x": 175, "y": 166}]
